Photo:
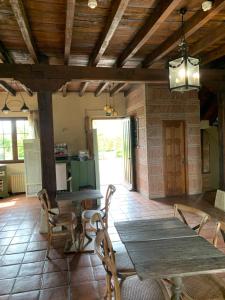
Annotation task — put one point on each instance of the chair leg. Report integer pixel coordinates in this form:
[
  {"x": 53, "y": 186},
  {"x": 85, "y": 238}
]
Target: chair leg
[
  {"x": 108, "y": 293},
  {"x": 72, "y": 234},
  {"x": 49, "y": 243}
]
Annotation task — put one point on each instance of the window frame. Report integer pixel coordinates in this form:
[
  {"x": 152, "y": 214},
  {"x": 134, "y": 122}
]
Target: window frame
[{"x": 14, "y": 140}]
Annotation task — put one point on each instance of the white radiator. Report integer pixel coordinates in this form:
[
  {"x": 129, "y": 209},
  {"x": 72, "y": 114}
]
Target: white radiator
[{"x": 17, "y": 183}]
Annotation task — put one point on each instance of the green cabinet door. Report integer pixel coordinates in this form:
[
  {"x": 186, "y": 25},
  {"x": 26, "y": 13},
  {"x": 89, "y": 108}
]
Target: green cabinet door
[{"x": 83, "y": 174}]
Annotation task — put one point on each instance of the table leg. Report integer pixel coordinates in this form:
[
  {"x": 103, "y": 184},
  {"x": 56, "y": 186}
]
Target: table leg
[{"x": 176, "y": 288}]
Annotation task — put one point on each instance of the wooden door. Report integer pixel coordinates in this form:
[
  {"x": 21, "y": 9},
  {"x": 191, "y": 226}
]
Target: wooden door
[{"x": 174, "y": 158}]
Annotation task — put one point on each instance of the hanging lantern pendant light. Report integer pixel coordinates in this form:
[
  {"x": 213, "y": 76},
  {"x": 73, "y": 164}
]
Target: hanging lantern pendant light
[{"x": 184, "y": 70}]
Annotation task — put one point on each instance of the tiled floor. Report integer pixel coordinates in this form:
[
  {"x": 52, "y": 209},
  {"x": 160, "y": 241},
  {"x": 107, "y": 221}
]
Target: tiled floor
[{"x": 26, "y": 275}]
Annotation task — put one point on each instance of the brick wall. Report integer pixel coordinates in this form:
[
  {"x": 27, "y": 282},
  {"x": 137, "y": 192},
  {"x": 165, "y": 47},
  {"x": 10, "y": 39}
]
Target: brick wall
[
  {"x": 136, "y": 106},
  {"x": 161, "y": 105}
]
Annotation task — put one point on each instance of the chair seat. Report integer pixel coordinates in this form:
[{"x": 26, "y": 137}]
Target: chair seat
[
  {"x": 87, "y": 214},
  {"x": 207, "y": 287},
  {"x": 123, "y": 261},
  {"x": 64, "y": 219},
  {"x": 132, "y": 288}
]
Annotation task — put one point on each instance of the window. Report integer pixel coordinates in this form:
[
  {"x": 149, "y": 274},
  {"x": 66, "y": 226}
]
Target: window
[{"x": 12, "y": 133}]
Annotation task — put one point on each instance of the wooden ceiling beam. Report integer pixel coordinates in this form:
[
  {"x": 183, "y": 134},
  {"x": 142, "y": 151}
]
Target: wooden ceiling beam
[
  {"x": 83, "y": 88},
  {"x": 6, "y": 87},
  {"x": 213, "y": 55},
  {"x": 6, "y": 56},
  {"x": 211, "y": 38},
  {"x": 27, "y": 90},
  {"x": 40, "y": 77},
  {"x": 70, "y": 11},
  {"x": 159, "y": 15},
  {"x": 101, "y": 88},
  {"x": 118, "y": 88},
  {"x": 22, "y": 20},
  {"x": 117, "y": 12},
  {"x": 191, "y": 26}
]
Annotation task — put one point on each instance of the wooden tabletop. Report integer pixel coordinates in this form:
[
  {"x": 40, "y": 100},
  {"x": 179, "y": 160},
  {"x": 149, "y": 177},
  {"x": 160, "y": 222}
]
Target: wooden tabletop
[
  {"x": 157, "y": 255},
  {"x": 79, "y": 196},
  {"x": 146, "y": 230}
]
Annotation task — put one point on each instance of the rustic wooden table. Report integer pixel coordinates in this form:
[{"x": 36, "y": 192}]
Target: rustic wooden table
[
  {"x": 76, "y": 198},
  {"x": 167, "y": 248}
]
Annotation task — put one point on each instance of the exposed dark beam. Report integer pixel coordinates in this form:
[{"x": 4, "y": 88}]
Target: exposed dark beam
[
  {"x": 6, "y": 56},
  {"x": 118, "y": 88},
  {"x": 213, "y": 55},
  {"x": 159, "y": 15},
  {"x": 83, "y": 88},
  {"x": 70, "y": 11},
  {"x": 21, "y": 18},
  {"x": 101, "y": 88},
  {"x": 7, "y": 88},
  {"x": 117, "y": 12},
  {"x": 51, "y": 77},
  {"x": 191, "y": 26},
  {"x": 211, "y": 38}
]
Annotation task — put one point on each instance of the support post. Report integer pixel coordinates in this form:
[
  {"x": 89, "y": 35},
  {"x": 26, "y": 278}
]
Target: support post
[
  {"x": 221, "y": 119},
  {"x": 47, "y": 144}
]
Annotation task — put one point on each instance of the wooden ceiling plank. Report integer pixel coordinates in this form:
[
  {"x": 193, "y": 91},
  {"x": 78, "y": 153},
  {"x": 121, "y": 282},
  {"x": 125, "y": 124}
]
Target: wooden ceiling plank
[
  {"x": 6, "y": 56},
  {"x": 7, "y": 88},
  {"x": 101, "y": 88},
  {"x": 118, "y": 88},
  {"x": 117, "y": 12},
  {"x": 159, "y": 15},
  {"x": 70, "y": 11},
  {"x": 211, "y": 38},
  {"x": 191, "y": 26},
  {"x": 83, "y": 88},
  {"x": 21, "y": 18},
  {"x": 213, "y": 55}
]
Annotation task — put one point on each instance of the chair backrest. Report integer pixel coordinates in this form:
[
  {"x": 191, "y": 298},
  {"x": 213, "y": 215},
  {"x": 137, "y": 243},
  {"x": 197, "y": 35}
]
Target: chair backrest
[
  {"x": 180, "y": 209},
  {"x": 96, "y": 222},
  {"x": 45, "y": 204},
  {"x": 220, "y": 228},
  {"x": 104, "y": 250},
  {"x": 108, "y": 197}
]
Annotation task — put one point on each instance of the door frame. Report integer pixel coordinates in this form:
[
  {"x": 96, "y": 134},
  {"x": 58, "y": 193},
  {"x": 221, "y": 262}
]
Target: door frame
[{"x": 185, "y": 154}]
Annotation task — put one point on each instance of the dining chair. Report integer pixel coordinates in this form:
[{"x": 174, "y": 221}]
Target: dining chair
[
  {"x": 206, "y": 287},
  {"x": 180, "y": 210},
  {"x": 124, "y": 265},
  {"x": 87, "y": 214},
  {"x": 131, "y": 288},
  {"x": 67, "y": 221}
]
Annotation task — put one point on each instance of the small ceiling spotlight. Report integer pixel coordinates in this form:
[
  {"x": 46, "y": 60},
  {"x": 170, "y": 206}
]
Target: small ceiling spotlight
[
  {"x": 207, "y": 5},
  {"x": 92, "y": 4}
]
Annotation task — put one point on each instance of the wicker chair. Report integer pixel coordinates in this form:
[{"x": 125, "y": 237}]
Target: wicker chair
[
  {"x": 206, "y": 287},
  {"x": 131, "y": 288},
  {"x": 124, "y": 265},
  {"x": 87, "y": 214},
  {"x": 67, "y": 221},
  {"x": 181, "y": 209}
]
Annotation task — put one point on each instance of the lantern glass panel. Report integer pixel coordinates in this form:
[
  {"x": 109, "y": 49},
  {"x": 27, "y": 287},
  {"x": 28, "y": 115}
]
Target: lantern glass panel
[
  {"x": 193, "y": 73},
  {"x": 177, "y": 73}
]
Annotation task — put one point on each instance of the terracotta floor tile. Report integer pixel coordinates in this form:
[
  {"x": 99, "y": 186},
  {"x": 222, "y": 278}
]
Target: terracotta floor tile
[
  {"x": 33, "y": 246},
  {"x": 55, "y": 279},
  {"x": 57, "y": 253},
  {"x": 31, "y": 268},
  {"x": 82, "y": 275},
  {"x": 61, "y": 293},
  {"x": 5, "y": 241},
  {"x": 85, "y": 291},
  {"x": 20, "y": 239},
  {"x": 25, "y": 284},
  {"x": 36, "y": 237},
  {"x": 9, "y": 271},
  {"x": 34, "y": 256},
  {"x": 56, "y": 265},
  {"x": 95, "y": 260},
  {"x": 2, "y": 249},
  {"x": 16, "y": 248},
  {"x": 5, "y": 297},
  {"x": 34, "y": 295},
  {"x": 6, "y": 286},
  {"x": 10, "y": 227},
  {"x": 7, "y": 234},
  {"x": 99, "y": 273},
  {"x": 80, "y": 260},
  {"x": 12, "y": 259},
  {"x": 23, "y": 232}
]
